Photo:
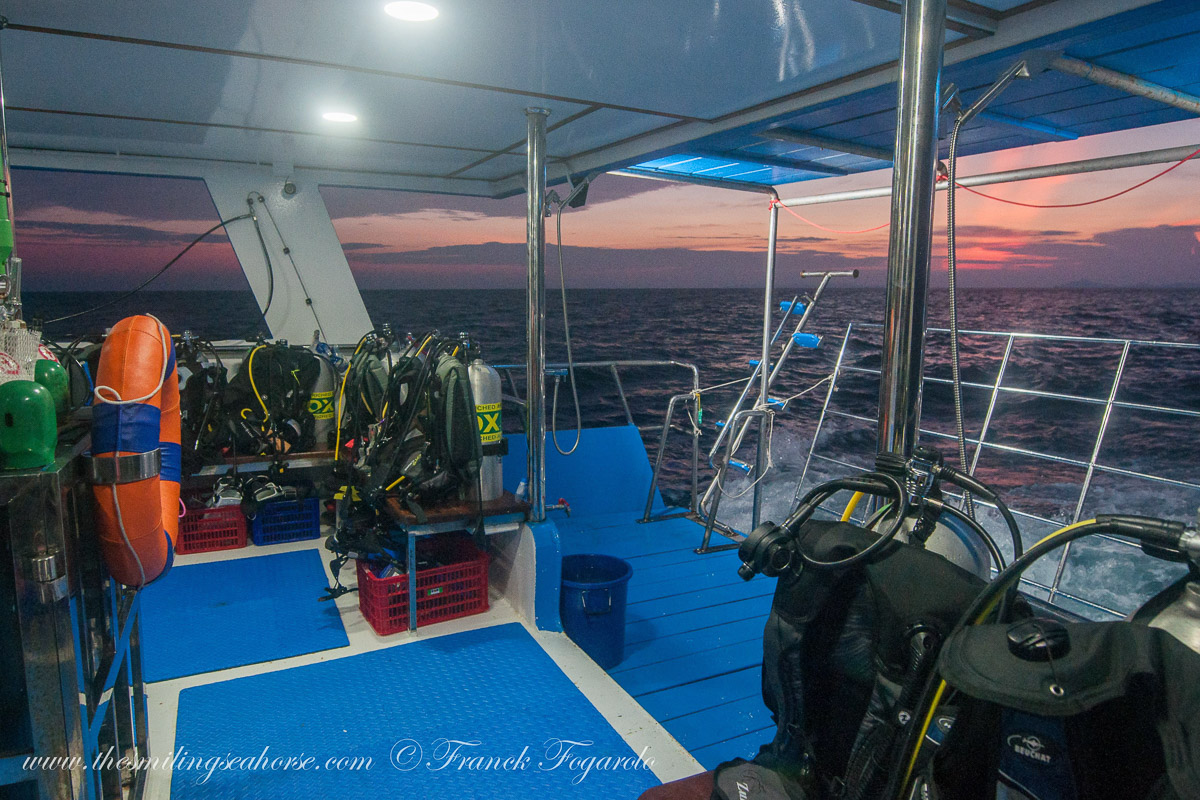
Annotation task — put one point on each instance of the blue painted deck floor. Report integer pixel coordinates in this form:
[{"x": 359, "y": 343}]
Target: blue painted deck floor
[{"x": 693, "y": 633}]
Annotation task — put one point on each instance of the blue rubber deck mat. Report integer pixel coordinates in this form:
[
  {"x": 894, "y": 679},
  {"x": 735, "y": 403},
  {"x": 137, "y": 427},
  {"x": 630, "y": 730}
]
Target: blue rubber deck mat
[
  {"x": 480, "y": 714},
  {"x": 693, "y": 632},
  {"x": 207, "y": 617}
]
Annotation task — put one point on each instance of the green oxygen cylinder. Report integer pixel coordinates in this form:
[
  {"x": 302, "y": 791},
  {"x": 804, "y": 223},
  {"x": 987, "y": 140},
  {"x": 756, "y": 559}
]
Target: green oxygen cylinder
[
  {"x": 28, "y": 431},
  {"x": 54, "y": 378}
]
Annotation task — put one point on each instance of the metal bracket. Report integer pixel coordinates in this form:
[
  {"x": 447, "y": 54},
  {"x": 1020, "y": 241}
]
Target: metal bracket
[
  {"x": 45, "y": 572},
  {"x": 109, "y": 470}
]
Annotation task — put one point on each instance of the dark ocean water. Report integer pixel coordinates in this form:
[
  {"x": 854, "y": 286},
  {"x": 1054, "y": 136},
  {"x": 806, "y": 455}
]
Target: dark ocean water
[{"x": 718, "y": 331}]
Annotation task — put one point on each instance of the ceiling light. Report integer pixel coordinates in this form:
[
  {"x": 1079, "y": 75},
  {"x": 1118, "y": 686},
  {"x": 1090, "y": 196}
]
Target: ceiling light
[
  {"x": 411, "y": 11},
  {"x": 339, "y": 116}
]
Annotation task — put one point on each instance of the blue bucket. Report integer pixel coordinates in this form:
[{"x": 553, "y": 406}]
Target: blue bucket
[{"x": 593, "y": 605}]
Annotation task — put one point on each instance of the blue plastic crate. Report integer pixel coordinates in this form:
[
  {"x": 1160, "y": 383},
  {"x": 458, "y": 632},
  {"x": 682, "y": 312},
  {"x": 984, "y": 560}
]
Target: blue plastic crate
[{"x": 286, "y": 521}]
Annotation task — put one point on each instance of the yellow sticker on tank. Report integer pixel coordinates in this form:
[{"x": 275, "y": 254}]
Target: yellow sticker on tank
[
  {"x": 488, "y": 417},
  {"x": 320, "y": 405}
]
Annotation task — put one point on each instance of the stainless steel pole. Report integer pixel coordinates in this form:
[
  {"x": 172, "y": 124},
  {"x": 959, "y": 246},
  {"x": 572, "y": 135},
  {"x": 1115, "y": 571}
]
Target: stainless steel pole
[
  {"x": 1127, "y": 83},
  {"x": 10, "y": 272},
  {"x": 764, "y": 366},
  {"x": 535, "y": 322},
  {"x": 912, "y": 225}
]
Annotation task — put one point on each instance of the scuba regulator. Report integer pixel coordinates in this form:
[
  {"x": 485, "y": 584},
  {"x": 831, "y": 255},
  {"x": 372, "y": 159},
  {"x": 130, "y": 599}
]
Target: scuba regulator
[{"x": 911, "y": 502}]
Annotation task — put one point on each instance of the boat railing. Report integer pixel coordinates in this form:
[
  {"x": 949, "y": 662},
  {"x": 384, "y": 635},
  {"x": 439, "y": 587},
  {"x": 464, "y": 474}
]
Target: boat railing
[
  {"x": 558, "y": 372},
  {"x": 1053, "y": 590}
]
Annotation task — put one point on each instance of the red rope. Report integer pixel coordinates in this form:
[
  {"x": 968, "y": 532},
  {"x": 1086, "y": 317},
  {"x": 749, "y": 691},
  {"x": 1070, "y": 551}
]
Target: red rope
[
  {"x": 1088, "y": 202},
  {"x": 822, "y": 227}
]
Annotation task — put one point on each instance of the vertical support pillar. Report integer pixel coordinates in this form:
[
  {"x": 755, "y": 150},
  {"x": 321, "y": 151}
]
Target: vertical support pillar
[
  {"x": 913, "y": 183},
  {"x": 764, "y": 364},
  {"x": 10, "y": 265},
  {"x": 535, "y": 321}
]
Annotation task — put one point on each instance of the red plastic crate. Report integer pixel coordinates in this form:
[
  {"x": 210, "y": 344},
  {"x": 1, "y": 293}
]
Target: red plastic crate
[
  {"x": 203, "y": 529},
  {"x": 458, "y": 589}
]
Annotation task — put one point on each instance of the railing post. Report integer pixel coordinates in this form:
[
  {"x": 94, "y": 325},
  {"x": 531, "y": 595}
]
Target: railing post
[
  {"x": 621, "y": 391},
  {"x": 658, "y": 459},
  {"x": 762, "y": 461}
]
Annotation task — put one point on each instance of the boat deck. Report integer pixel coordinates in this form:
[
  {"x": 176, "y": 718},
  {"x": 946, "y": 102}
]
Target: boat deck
[{"x": 693, "y": 633}]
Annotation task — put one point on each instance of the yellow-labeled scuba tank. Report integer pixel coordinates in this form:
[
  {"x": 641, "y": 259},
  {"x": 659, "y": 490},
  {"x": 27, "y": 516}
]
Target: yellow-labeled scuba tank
[
  {"x": 485, "y": 388},
  {"x": 322, "y": 403}
]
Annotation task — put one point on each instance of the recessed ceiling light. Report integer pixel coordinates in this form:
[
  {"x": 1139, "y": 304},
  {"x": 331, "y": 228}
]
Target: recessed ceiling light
[
  {"x": 411, "y": 11},
  {"x": 339, "y": 116}
]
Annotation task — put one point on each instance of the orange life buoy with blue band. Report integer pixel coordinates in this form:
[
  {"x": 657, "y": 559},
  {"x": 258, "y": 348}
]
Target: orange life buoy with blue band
[{"x": 135, "y": 450}]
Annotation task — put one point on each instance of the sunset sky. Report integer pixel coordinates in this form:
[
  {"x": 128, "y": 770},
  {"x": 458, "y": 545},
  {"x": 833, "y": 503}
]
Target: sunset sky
[{"x": 107, "y": 232}]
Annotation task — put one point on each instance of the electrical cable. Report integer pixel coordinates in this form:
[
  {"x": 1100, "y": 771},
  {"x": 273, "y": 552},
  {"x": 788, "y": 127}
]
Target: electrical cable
[
  {"x": 1139, "y": 185},
  {"x": 952, "y": 276},
  {"x": 562, "y": 278},
  {"x": 147, "y": 282},
  {"x": 266, "y": 256},
  {"x": 975, "y": 486},
  {"x": 287, "y": 251},
  {"x": 779, "y": 203}
]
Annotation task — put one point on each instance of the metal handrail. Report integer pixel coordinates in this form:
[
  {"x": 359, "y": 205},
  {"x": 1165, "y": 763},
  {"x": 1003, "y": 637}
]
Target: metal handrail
[
  {"x": 614, "y": 367},
  {"x": 1091, "y": 465}
]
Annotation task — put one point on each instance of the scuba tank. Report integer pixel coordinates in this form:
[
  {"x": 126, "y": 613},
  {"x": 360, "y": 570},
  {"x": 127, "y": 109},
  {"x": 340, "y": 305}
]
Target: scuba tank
[
  {"x": 321, "y": 403},
  {"x": 485, "y": 387}
]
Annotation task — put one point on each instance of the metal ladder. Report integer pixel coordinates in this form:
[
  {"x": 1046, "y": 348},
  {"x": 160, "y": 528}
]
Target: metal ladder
[{"x": 733, "y": 429}]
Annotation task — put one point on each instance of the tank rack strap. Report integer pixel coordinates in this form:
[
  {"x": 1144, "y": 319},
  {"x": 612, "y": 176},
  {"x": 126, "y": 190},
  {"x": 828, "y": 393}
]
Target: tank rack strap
[{"x": 126, "y": 469}]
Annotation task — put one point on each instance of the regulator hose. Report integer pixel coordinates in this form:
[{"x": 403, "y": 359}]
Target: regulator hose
[
  {"x": 971, "y": 484},
  {"x": 880, "y": 484}
]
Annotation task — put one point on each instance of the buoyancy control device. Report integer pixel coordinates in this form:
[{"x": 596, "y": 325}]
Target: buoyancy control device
[
  {"x": 1049, "y": 709},
  {"x": 427, "y": 446},
  {"x": 857, "y": 621},
  {"x": 206, "y": 432},
  {"x": 267, "y": 400},
  {"x": 422, "y": 449}
]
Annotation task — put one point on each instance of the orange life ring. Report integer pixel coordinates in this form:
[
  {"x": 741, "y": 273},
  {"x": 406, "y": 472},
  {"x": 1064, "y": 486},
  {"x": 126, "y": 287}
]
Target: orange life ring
[{"x": 135, "y": 413}]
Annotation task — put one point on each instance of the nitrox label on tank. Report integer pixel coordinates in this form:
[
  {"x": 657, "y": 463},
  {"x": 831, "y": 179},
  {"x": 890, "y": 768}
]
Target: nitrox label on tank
[
  {"x": 320, "y": 405},
  {"x": 488, "y": 417}
]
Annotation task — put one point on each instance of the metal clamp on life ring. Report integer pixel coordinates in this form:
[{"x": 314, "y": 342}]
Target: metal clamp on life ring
[{"x": 115, "y": 470}]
